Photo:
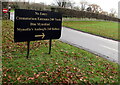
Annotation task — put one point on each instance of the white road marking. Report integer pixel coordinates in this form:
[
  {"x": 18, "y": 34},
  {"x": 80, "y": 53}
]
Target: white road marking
[{"x": 109, "y": 48}]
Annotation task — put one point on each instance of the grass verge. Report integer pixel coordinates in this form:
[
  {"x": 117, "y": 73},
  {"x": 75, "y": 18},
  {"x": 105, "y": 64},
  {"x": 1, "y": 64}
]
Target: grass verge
[
  {"x": 66, "y": 64},
  {"x": 101, "y": 28}
]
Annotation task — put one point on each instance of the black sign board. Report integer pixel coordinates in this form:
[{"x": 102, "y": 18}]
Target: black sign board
[{"x": 31, "y": 25}]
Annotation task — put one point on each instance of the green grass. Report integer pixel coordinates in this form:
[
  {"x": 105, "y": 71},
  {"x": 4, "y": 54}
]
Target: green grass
[
  {"x": 66, "y": 64},
  {"x": 102, "y": 28}
]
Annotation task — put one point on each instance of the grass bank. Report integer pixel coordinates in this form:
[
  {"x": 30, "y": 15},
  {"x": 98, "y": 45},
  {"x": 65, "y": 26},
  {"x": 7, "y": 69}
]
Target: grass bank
[
  {"x": 101, "y": 28},
  {"x": 66, "y": 64}
]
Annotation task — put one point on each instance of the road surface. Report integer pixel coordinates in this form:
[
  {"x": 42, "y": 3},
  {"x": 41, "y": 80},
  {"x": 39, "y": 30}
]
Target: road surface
[{"x": 100, "y": 46}]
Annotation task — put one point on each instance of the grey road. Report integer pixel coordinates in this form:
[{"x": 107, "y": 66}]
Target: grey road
[{"x": 100, "y": 46}]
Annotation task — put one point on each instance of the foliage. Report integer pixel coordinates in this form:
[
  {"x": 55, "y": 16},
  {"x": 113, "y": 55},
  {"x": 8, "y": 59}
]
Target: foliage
[
  {"x": 15, "y": 6},
  {"x": 84, "y": 14},
  {"x": 4, "y": 4}
]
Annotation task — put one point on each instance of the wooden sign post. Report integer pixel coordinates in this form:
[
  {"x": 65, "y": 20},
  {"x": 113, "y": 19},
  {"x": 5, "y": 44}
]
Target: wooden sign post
[
  {"x": 28, "y": 48},
  {"x": 50, "y": 44},
  {"x": 31, "y": 25}
]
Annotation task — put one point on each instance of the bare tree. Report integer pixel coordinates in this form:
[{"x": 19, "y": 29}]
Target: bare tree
[
  {"x": 77, "y": 8},
  {"x": 64, "y": 3},
  {"x": 112, "y": 12},
  {"x": 61, "y": 3},
  {"x": 95, "y": 8},
  {"x": 104, "y": 12},
  {"x": 83, "y": 5},
  {"x": 89, "y": 9},
  {"x": 70, "y": 4}
]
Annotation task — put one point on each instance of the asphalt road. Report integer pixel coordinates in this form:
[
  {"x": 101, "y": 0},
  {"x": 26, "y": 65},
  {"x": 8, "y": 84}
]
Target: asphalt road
[{"x": 100, "y": 46}]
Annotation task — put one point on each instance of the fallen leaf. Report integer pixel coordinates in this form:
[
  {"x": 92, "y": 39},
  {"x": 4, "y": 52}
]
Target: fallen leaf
[{"x": 31, "y": 78}]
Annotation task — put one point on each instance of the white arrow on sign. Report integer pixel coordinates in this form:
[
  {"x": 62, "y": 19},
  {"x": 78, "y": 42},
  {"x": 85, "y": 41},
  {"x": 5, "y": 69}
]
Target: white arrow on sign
[{"x": 43, "y": 35}]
